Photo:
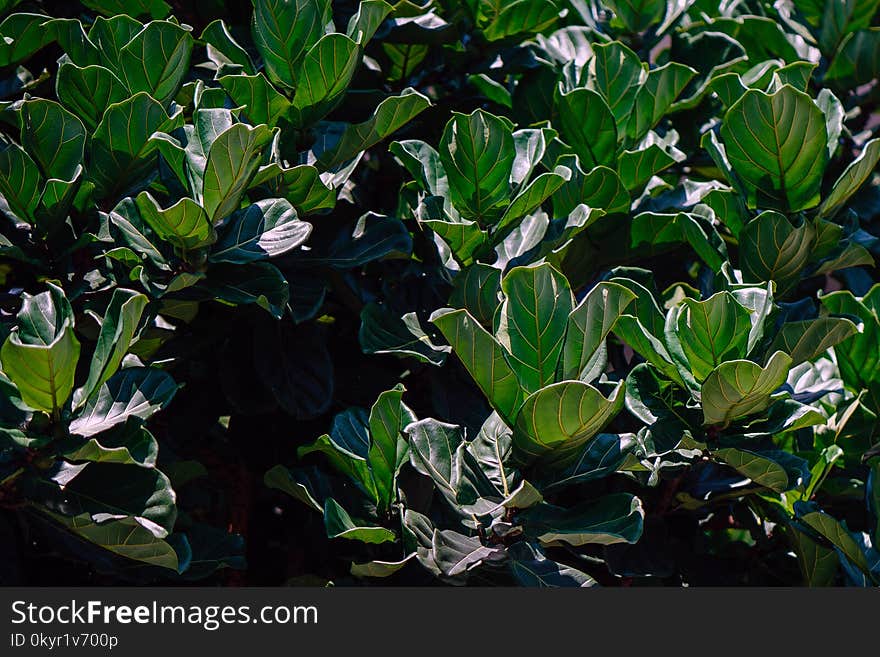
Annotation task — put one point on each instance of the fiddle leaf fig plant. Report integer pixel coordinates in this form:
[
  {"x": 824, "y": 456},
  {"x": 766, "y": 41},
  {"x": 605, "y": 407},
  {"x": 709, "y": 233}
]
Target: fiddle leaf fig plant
[{"x": 81, "y": 456}]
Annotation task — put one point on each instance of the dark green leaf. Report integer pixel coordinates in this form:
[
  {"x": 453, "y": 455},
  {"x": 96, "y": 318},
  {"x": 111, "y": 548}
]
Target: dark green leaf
[
  {"x": 283, "y": 30},
  {"x": 341, "y": 525},
  {"x": 88, "y": 91},
  {"x": 776, "y": 143},
  {"x": 117, "y": 331},
  {"x": 132, "y": 392},
  {"x": 738, "y": 388},
  {"x": 615, "y": 518},
  {"x": 477, "y": 153},
  {"x": 588, "y": 126},
  {"x": 483, "y": 357},
  {"x": 264, "y": 229},
  {"x": 532, "y": 323},
  {"x": 556, "y": 421},
  {"x": 41, "y": 356},
  {"x": 54, "y": 137},
  {"x": 156, "y": 60}
]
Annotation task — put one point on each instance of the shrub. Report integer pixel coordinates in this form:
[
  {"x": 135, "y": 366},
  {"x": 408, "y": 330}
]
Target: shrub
[{"x": 542, "y": 293}]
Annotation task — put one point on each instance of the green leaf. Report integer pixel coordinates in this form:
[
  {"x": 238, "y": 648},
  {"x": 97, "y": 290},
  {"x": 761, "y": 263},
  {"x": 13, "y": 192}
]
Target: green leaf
[
  {"x": 296, "y": 483},
  {"x": 128, "y": 444},
  {"x": 465, "y": 238},
  {"x": 222, "y": 46},
  {"x": 819, "y": 564},
  {"x": 600, "y": 188},
  {"x": 261, "y": 102},
  {"x": 131, "y": 392},
  {"x": 857, "y": 61},
  {"x": 603, "y": 455},
  {"x": 738, "y": 388},
  {"x": 477, "y": 290},
  {"x": 41, "y": 356},
  {"x": 208, "y": 124},
  {"x": 378, "y": 568},
  {"x": 524, "y": 496},
  {"x": 483, "y": 357},
  {"x": 477, "y": 154},
  {"x": 183, "y": 225},
  {"x": 638, "y": 15},
  {"x": 833, "y": 531},
  {"x": 659, "y": 403},
  {"x": 614, "y": 518},
  {"x": 718, "y": 153},
  {"x": 590, "y": 323},
  {"x": 23, "y": 34},
  {"x": 834, "y": 113},
  {"x": 438, "y": 451},
  {"x": 369, "y": 16},
  {"x": 756, "y": 466},
  {"x": 117, "y": 331},
  {"x": 284, "y": 30},
  {"x": 532, "y": 322},
  {"x": 324, "y": 77},
  {"x": 73, "y": 40},
  {"x": 347, "y": 448},
  {"x": 530, "y": 145},
  {"x": 388, "y": 447},
  {"x": 109, "y": 36},
  {"x": 494, "y": 91},
  {"x": 530, "y": 567},
  {"x": 341, "y": 525},
  {"x": 521, "y": 17},
  {"x": 20, "y": 181},
  {"x": 776, "y": 144},
  {"x": 123, "y": 153},
  {"x": 654, "y": 98},
  {"x": 390, "y": 115},
  {"x": 842, "y": 17},
  {"x": 712, "y": 331},
  {"x": 404, "y": 59},
  {"x": 807, "y": 339},
  {"x": 637, "y": 167},
  {"x": 797, "y": 74},
  {"x": 301, "y": 185},
  {"x": 125, "y": 537},
  {"x": 382, "y": 332},
  {"x": 257, "y": 282},
  {"x": 433, "y": 449},
  {"x": 644, "y": 342},
  {"x": 588, "y": 126},
  {"x": 616, "y": 72},
  {"x": 729, "y": 209},
  {"x": 853, "y": 177},
  {"x": 374, "y": 237},
  {"x": 858, "y": 356},
  {"x": 264, "y": 229},
  {"x": 423, "y": 163},
  {"x": 454, "y": 554},
  {"x": 156, "y": 60},
  {"x": 492, "y": 448},
  {"x": 88, "y": 91},
  {"x": 774, "y": 249},
  {"x": 110, "y": 491},
  {"x": 53, "y": 136},
  {"x": 233, "y": 160},
  {"x": 133, "y": 232},
  {"x": 556, "y": 421}
]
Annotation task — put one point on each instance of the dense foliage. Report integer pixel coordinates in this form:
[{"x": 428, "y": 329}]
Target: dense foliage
[{"x": 540, "y": 292}]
